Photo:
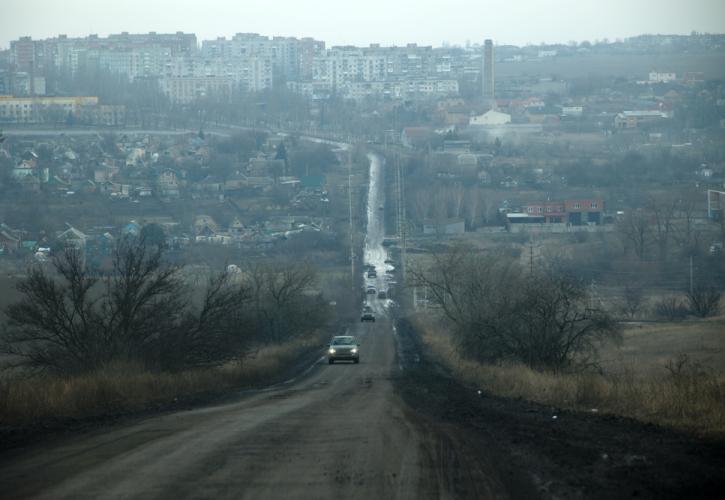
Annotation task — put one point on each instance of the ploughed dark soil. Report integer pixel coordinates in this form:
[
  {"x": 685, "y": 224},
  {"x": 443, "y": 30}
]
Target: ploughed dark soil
[{"x": 540, "y": 451}]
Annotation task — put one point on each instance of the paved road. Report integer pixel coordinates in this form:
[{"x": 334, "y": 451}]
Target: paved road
[{"x": 338, "y": 432}]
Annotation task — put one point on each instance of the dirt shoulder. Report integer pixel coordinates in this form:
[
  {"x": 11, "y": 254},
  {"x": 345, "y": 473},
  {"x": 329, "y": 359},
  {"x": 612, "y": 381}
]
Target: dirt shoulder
[{"x": 562, "y": 454}]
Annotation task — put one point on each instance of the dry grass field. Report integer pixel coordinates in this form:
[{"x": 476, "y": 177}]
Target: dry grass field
[
  {"x": 648, "y": 347},
  {"x": 670, "y": 374},
  {"x": 125, "y": 388}
]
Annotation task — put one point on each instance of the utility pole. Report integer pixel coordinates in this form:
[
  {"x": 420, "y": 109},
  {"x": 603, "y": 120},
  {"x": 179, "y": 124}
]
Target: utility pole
[
  {"x": 531, "y": 257},
  {"x": 400, "y": 191},
  {"x": 352, "y": 235},
  {"x": 692, "y": 280}
]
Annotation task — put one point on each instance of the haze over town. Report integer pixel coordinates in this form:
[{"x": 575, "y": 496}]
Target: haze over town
[{"x": 374, "y": 21}]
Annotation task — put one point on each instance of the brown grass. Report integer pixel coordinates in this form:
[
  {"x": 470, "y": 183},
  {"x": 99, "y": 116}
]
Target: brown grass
[
  {"x": 127, "y": 387},
  {"x": 677, "y": 390}
]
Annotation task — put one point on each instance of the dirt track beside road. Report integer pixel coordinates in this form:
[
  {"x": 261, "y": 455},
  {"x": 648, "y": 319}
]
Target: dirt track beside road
[{"x": 563, "y": 454}]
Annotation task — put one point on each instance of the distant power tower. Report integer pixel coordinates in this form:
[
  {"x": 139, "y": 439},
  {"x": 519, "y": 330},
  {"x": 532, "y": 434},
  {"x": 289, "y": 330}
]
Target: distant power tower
[{"x": 487, "y": 74}]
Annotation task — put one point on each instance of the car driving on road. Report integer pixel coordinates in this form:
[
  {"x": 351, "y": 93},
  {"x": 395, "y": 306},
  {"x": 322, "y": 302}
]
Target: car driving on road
[
  {"x": 343, "y": 348},
  {"x": 367, "y": 314}
]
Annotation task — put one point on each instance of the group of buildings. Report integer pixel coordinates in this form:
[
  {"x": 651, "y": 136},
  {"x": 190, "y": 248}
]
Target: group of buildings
[{"x": 187, "y": 70}]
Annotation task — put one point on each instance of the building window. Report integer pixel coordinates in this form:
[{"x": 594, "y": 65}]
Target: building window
[
  {"x": 541, "y": 209},
  {"x": 576, "y": 205},
  {"x": 594, "y": 204}
]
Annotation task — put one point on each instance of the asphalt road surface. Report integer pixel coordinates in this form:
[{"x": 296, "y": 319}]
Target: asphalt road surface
[{"x": 338, "y": 432}]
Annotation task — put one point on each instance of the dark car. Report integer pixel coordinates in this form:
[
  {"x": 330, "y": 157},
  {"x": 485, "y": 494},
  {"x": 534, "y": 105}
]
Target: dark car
[{"x": 367, "y": 314}]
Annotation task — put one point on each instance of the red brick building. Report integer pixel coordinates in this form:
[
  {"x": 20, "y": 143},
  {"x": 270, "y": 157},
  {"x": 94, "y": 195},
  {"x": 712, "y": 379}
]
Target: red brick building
[{"x": 576, "y": 212}]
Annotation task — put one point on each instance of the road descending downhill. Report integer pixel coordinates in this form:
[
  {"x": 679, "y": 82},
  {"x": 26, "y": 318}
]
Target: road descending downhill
[
  {"x": 396, "y": 425},
  {"x": 338, "y": 432}
]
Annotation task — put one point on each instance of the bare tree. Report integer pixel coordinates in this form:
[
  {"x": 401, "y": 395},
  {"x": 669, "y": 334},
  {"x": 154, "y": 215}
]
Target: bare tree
[
  {"x": 635, "y": 229},
  {"x": 456, "y": 195},
  {"x": 663, "y": 210},
  {"x": 55, "y": 325},
  {"x": 143, "y": 299},
  {"x": 687, "y": 235},
  {"x": 704, "y": 301},
  {"x": 632, "y": 300},
  {"x": 283, "y": 300},
  {"x": 499, "y": 312},
  {"x": 472, "y": 207},
  {"x": 670, "y": 308},
  {"x": 219, "y": 332},
  {"x": 141, "y": 311}
]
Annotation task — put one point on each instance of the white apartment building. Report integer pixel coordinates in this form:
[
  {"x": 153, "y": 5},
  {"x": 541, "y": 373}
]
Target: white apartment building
[
  {"x": 284, "y": 52},
  {"x": 339, "y": 66},
  {"x": 187, "y": 89},
  {"x": 135, "y": 63},
  {"x": 658, "y": 77}
]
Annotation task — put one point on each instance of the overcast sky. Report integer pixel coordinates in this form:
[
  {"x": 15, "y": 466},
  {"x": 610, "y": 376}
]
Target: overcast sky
[{"x": 366, "y": 21}]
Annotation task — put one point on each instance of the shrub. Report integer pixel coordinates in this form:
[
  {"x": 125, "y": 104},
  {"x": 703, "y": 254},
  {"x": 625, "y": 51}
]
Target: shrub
[
  {"x": 670, "y": 308},
  {"x": 704, "y": 301}
]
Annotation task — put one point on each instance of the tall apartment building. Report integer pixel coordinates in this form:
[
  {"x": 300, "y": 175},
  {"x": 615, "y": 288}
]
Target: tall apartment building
[
  {"x": 62, "y": 52},
  {"x": 23, "y": 54},
  {"x": 342, "y": 65},
  {"x": 290, "y": 56},
  {"x": 188, "y": 78},
  {"x": 138, "y": 62}
]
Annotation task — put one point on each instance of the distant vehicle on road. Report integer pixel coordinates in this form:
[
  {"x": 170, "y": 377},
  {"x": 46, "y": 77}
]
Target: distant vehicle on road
[
  {"x": 382, "y": 294},
  {"x": 367, "y": 314},
  {"x": 372, "y": 290},
  {"x": 372, "y": 273},
  {"x": 389, "y": 261},
  {"x": 343, "y": 348}
]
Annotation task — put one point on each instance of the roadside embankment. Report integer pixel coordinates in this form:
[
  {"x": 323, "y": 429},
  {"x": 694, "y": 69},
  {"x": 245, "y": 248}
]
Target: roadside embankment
[
  {"x": 560, "y": 452},
  {"x": 682, "y": 389}
]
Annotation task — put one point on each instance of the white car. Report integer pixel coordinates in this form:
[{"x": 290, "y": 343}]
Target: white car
[{"x": 343, "y": 348}]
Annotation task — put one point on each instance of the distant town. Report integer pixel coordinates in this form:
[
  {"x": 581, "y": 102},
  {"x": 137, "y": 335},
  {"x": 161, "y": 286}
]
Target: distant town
[
  {"x": 264, "y": 267},
  {"x": 210, "y": 140}
]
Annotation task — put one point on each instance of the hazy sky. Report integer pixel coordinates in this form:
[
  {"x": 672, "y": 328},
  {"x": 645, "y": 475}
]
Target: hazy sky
[{"x": 361, "y": 22}]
